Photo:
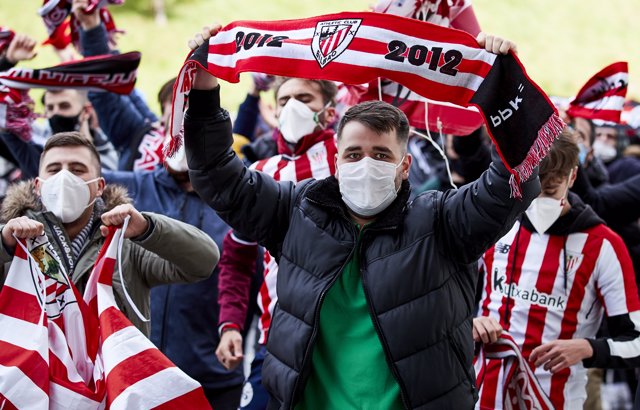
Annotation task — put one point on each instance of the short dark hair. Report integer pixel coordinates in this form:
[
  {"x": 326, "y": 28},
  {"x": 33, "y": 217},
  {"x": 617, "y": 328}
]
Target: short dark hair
[
  {"x": 561, "y": 159},
  {"x": 82, "y": 93},
  {"x": 166, "y": 92},
  {"x": 328, "y": 89},
  {"x": 380, "y": 117},
  {"x": 72, "y": 139}
]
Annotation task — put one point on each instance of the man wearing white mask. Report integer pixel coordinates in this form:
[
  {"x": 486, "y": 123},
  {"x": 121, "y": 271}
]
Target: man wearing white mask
[
  {"x": 549, "y": 281},
  {"x": 306, "y": 149},
  {"x": 70, "y": 202},
  {"x": 375, "y": 293}
]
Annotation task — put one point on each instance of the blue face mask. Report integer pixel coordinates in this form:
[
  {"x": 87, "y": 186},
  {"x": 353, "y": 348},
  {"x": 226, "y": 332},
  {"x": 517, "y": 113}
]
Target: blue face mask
[{"x": 582, "y": 155}]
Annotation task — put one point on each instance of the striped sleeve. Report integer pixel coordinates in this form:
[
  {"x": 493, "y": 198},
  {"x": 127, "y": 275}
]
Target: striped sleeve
[{"x": 617, "y": 289}]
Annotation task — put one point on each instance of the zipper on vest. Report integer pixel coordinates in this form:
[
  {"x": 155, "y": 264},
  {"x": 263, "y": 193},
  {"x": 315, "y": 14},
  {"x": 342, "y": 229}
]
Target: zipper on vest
[
  {"x": 374, "y": 318},
  {"x": 316, "y": 322}
]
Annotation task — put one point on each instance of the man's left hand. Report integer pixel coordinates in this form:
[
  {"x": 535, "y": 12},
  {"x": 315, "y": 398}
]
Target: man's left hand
[
  {"x": 496, "y": 45},
  {"x": 138, "y": 224},
  {"x": 560, "y": 354}
]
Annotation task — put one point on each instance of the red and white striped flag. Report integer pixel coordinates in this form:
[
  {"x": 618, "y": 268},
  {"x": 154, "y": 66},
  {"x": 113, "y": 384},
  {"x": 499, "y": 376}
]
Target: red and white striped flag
[
  {"x": 602, "y": 97},
  {"x": 137, "y": 374},
  {"x": 59, "y": 352},
  {"x": 521, "y": 389}
]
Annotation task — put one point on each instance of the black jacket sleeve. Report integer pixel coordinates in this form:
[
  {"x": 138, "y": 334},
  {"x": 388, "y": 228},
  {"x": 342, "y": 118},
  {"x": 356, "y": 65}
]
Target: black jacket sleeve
[
  {"x": 475, "y": 216},
  {"x": 624, "y": 332},
  {"x": 252, "y": 203}
]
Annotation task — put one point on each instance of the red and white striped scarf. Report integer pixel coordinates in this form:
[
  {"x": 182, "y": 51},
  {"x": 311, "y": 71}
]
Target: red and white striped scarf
[
  {"x": 356, "y": 48},
  {"x": 521, "y": 387},
  {"x": 60, "y": 351},
  {"x": 64, "y": 29},
  {"x": 114, "y": 73},
  {"x": 16, "y": 112},
  {"x": 602, "y": 97}
]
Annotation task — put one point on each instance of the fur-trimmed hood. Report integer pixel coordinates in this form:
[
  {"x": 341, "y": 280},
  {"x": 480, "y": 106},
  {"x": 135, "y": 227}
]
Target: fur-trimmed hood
[{"x": 21, "y": 197}]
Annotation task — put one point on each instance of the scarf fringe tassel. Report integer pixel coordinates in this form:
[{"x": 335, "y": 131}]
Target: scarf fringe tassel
[{"x": 541, "y": 146}]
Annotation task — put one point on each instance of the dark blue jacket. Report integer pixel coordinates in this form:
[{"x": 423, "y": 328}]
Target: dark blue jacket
[
  {"x": 124, "y": 118},
  {"x": 184, "y": 317}
]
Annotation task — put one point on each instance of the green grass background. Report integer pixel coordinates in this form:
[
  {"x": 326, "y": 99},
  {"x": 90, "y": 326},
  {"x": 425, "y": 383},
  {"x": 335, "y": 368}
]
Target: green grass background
[{"x": 561, "y": 42}]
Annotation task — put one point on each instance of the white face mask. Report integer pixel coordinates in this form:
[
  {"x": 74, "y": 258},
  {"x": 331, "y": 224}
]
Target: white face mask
[
  {"x": 544, "y": 211},
  {"x": 368, "y": 186},
  {"x": 296, "y": 120},
  {"x": 65, "y": 195},
  {"x": 604, "y": 151}
]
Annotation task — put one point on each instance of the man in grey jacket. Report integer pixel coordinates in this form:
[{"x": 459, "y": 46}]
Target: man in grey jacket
[
  {"x": 375, "y": 292},
  {"x": 71, "y": 204}
]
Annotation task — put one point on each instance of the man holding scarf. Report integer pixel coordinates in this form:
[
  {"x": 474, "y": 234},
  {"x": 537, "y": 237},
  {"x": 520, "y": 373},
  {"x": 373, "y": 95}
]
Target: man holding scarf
[
  {"x": 360, "y": 266},
  {"x": 306, "y": 149}
]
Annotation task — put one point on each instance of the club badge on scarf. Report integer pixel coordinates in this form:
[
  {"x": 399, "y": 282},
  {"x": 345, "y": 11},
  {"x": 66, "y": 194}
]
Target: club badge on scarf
[
  {"x": 520, "y": 386},
  {"x": 48, "y": 343},
  {"x": 113, "y": 73},
  {"x": 64, "y": 29},
  {"x": 355, "y": 48},
  {"x": 602, "y": 97}
]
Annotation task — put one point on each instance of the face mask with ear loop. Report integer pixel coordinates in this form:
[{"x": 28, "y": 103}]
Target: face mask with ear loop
[
  {"x": 428, "y": 136},
  {"x": 297, "y": 120},
  {"x": 66, "y": 195}
]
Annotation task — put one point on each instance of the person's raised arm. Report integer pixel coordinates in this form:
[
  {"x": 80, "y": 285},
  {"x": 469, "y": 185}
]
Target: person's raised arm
[
  {"x": 252, "y": 203},
  {"x": 119, "y": 117},
  {"x": 477, "y": 215}
]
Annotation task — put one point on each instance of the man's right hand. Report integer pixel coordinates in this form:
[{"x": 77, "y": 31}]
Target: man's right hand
[
  {"x": 229, "y": 351},
  {"x": 87, "y": 21},
  {"x": 204, "y": 80},
  {"x": 23, "y": 228},
  {"x": 21, "y": 48}
]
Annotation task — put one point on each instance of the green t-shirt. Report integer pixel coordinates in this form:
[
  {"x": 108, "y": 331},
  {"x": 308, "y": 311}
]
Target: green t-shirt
[{"x": 349, "y": 369}]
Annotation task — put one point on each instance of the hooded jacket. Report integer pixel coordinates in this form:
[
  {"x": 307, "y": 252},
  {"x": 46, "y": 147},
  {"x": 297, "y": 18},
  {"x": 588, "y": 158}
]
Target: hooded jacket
[
  {"x": 559, "y": 285},
  {"x": 417, "y": 262},
  {"x": 170, "y": 252}
]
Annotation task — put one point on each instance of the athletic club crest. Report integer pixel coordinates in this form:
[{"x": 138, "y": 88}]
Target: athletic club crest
[{"x": 331, "y": 38}]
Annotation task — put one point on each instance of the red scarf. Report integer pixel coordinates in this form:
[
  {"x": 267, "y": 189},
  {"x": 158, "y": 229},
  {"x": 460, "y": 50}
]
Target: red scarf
[
  {"x": 304, "y": 144},
  {"x": 355, "y": 48},
  {"x": 521, "y": 388},
  {"x": 602, "y": 97},
  {"x": 63, "y": 27},
  {"x": 16, "y": 112},
  {"x": 113, "y": 73}
]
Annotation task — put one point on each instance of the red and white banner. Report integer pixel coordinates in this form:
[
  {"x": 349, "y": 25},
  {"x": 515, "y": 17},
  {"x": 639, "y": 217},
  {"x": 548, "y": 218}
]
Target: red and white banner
[
  {"x": 436, "y": 62},
  {"x": 603, "y": 96},
  {"x": 59, "y": 352},
  {"x": 521, "y": 389}
]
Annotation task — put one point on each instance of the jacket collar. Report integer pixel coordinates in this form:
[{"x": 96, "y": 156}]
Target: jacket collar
[{"x": 326, "y": 194}]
